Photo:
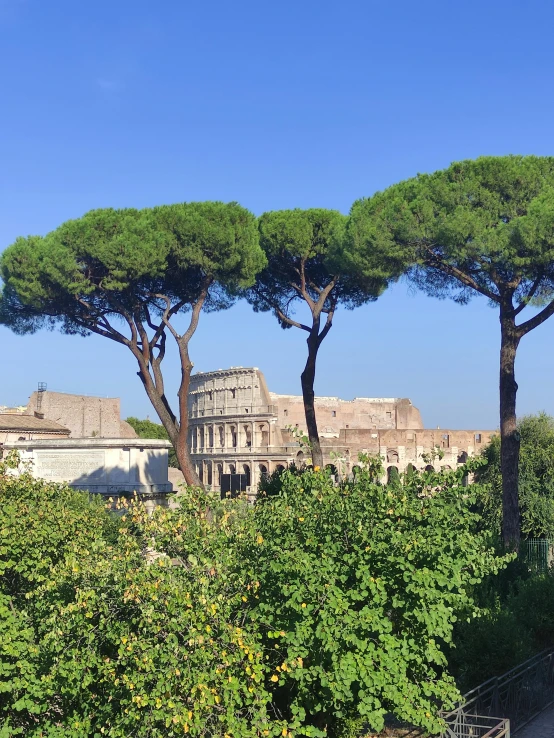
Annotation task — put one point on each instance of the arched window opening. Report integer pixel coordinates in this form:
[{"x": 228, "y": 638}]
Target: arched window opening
[
  {"x": 265, "y": 435},
  {"x": 233, "y": 436},
  {"x": 462, "y": 458},
  {"x": 247, "y": 436},
  {"x": 209, "y": 472},
  {"x": 331, "y": 468},
  {"x": 219, "y": 473},
  {"x": 429, "y": 468},
  {"x": 392, "y": 456},
  {"x": 221, "y": 436},
  {"x": 263, "y": 470},
  {"x": 232, "y": 469},
  {"x": 246, "y": 471},
  {"x": 211, "y": 436},
  {"x": 280, "y": 468}
]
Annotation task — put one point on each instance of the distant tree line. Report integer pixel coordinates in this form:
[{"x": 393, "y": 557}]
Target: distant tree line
[{"x": 139, "y": 277}]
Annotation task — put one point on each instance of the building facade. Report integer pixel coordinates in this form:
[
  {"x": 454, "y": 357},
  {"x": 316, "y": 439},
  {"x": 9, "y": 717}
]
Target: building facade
[{"x": 237, "y": 426}]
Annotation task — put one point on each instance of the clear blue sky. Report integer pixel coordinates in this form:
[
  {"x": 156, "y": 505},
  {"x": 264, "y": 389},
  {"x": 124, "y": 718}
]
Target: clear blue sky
[{"x": 276, "y": 105}]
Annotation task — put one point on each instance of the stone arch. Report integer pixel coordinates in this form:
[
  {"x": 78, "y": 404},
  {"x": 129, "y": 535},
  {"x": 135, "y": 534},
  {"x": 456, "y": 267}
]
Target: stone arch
[
  {"x": 246, "y": 471},
  {"x": 221, "y": 431},
  {"x": 263, "y": 469},
  {"x": 211, "y": 436},
  {"x": 232, "y": 469},
  {"x": 300, "y": 458},
  {"x": 219, "y": 472},
  {"x": 462, "y": 457},
  {"x": 233, "y": 430},
  {"x": 392, "y": 456},
  {"x": 247, "y": 436},
  {"x": 331, "y": 468},
  {"x": 429, "y": 468},
  {"x": 356, "y": 469},
  {"x": 209, "y": 473},
  {"x": 280, "y": 468}
]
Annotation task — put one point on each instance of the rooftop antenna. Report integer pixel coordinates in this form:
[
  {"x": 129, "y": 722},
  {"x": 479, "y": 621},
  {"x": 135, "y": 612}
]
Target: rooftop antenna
[{"x": 41, "y": 390}]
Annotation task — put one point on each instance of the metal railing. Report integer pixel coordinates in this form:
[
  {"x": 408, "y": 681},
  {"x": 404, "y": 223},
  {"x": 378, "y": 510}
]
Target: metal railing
[
  {"x": 460, "y": 725},
  {"x": 518, "y": 696},
  {"x": 538, "y": 553}
]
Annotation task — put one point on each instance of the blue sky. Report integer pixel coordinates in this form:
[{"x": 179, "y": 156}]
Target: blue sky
[{"x": 275, "y": 105}]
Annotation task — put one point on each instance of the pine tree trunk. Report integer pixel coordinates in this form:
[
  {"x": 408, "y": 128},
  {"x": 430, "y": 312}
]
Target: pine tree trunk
[
  {"x": 177, "y": 431},
  {"x": 308, "y": 379},
  {"x": 509, "y": 436},
  {"x": 181, "y": 447}
]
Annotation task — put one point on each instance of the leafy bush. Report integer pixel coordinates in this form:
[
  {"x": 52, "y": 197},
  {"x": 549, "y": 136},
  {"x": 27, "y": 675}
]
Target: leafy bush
[
  {"x": 359, "y": 589},
  {"x": 317, "y": 610},
  {"x": 512, "y": 628},
  {"x": 536, "y": 478},
  {"x": 95, "y": 641}
]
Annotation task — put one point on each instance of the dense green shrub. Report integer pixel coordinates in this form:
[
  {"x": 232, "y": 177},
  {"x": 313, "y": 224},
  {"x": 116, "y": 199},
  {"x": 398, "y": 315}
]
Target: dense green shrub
[
  {"x": 95, "y": 641},
  {"x": 536, "y": 478},
  {"x": 516, "y": 622},
  {"x": 315, "y": 610}
]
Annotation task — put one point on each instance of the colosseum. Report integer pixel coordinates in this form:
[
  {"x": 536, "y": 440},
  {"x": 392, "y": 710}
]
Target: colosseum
[{"x": 237, "y": 426}]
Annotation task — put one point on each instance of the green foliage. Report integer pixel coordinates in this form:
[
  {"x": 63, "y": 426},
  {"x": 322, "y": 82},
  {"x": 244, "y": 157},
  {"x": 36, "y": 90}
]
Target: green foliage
[
  {"x": 148, "y": 429},
  {"x": 359, "y": 590},
  {"x": 127, "y": 263},
  {"x": 513, "y": 626},
  {"x": 316, "y": 610},
  {"x": 304, "y": 253},
  {"x": 536, "y": 478},
  {"x": 98, "y": 642},
  {"x": 475, "y": 227}
]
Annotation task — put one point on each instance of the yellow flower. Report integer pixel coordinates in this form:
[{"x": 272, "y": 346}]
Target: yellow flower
[
  {"x": 259, "y": 539},
  {"x": 317, "y": 468},
  {"x": 301, "y": 520},
  {"x": 303, "y": 604},
  {"x": 274, "y": 678}
]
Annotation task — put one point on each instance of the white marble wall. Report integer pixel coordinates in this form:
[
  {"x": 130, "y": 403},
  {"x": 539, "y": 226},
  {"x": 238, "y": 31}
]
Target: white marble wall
[{"x": 109, "y": 466}]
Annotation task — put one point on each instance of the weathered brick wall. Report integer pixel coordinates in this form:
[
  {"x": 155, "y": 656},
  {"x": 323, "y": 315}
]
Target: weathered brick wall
[
  {"x": 85, "y": 416},
  {"x": 334, "y": 414}
]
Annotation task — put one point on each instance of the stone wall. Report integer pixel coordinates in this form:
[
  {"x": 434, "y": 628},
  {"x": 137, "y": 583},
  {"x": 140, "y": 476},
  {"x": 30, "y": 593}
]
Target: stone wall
[
  {"x": 108, "y": 466},
  {"x": 332, "y": 413},
  {"x": 86, "y": 417}
]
